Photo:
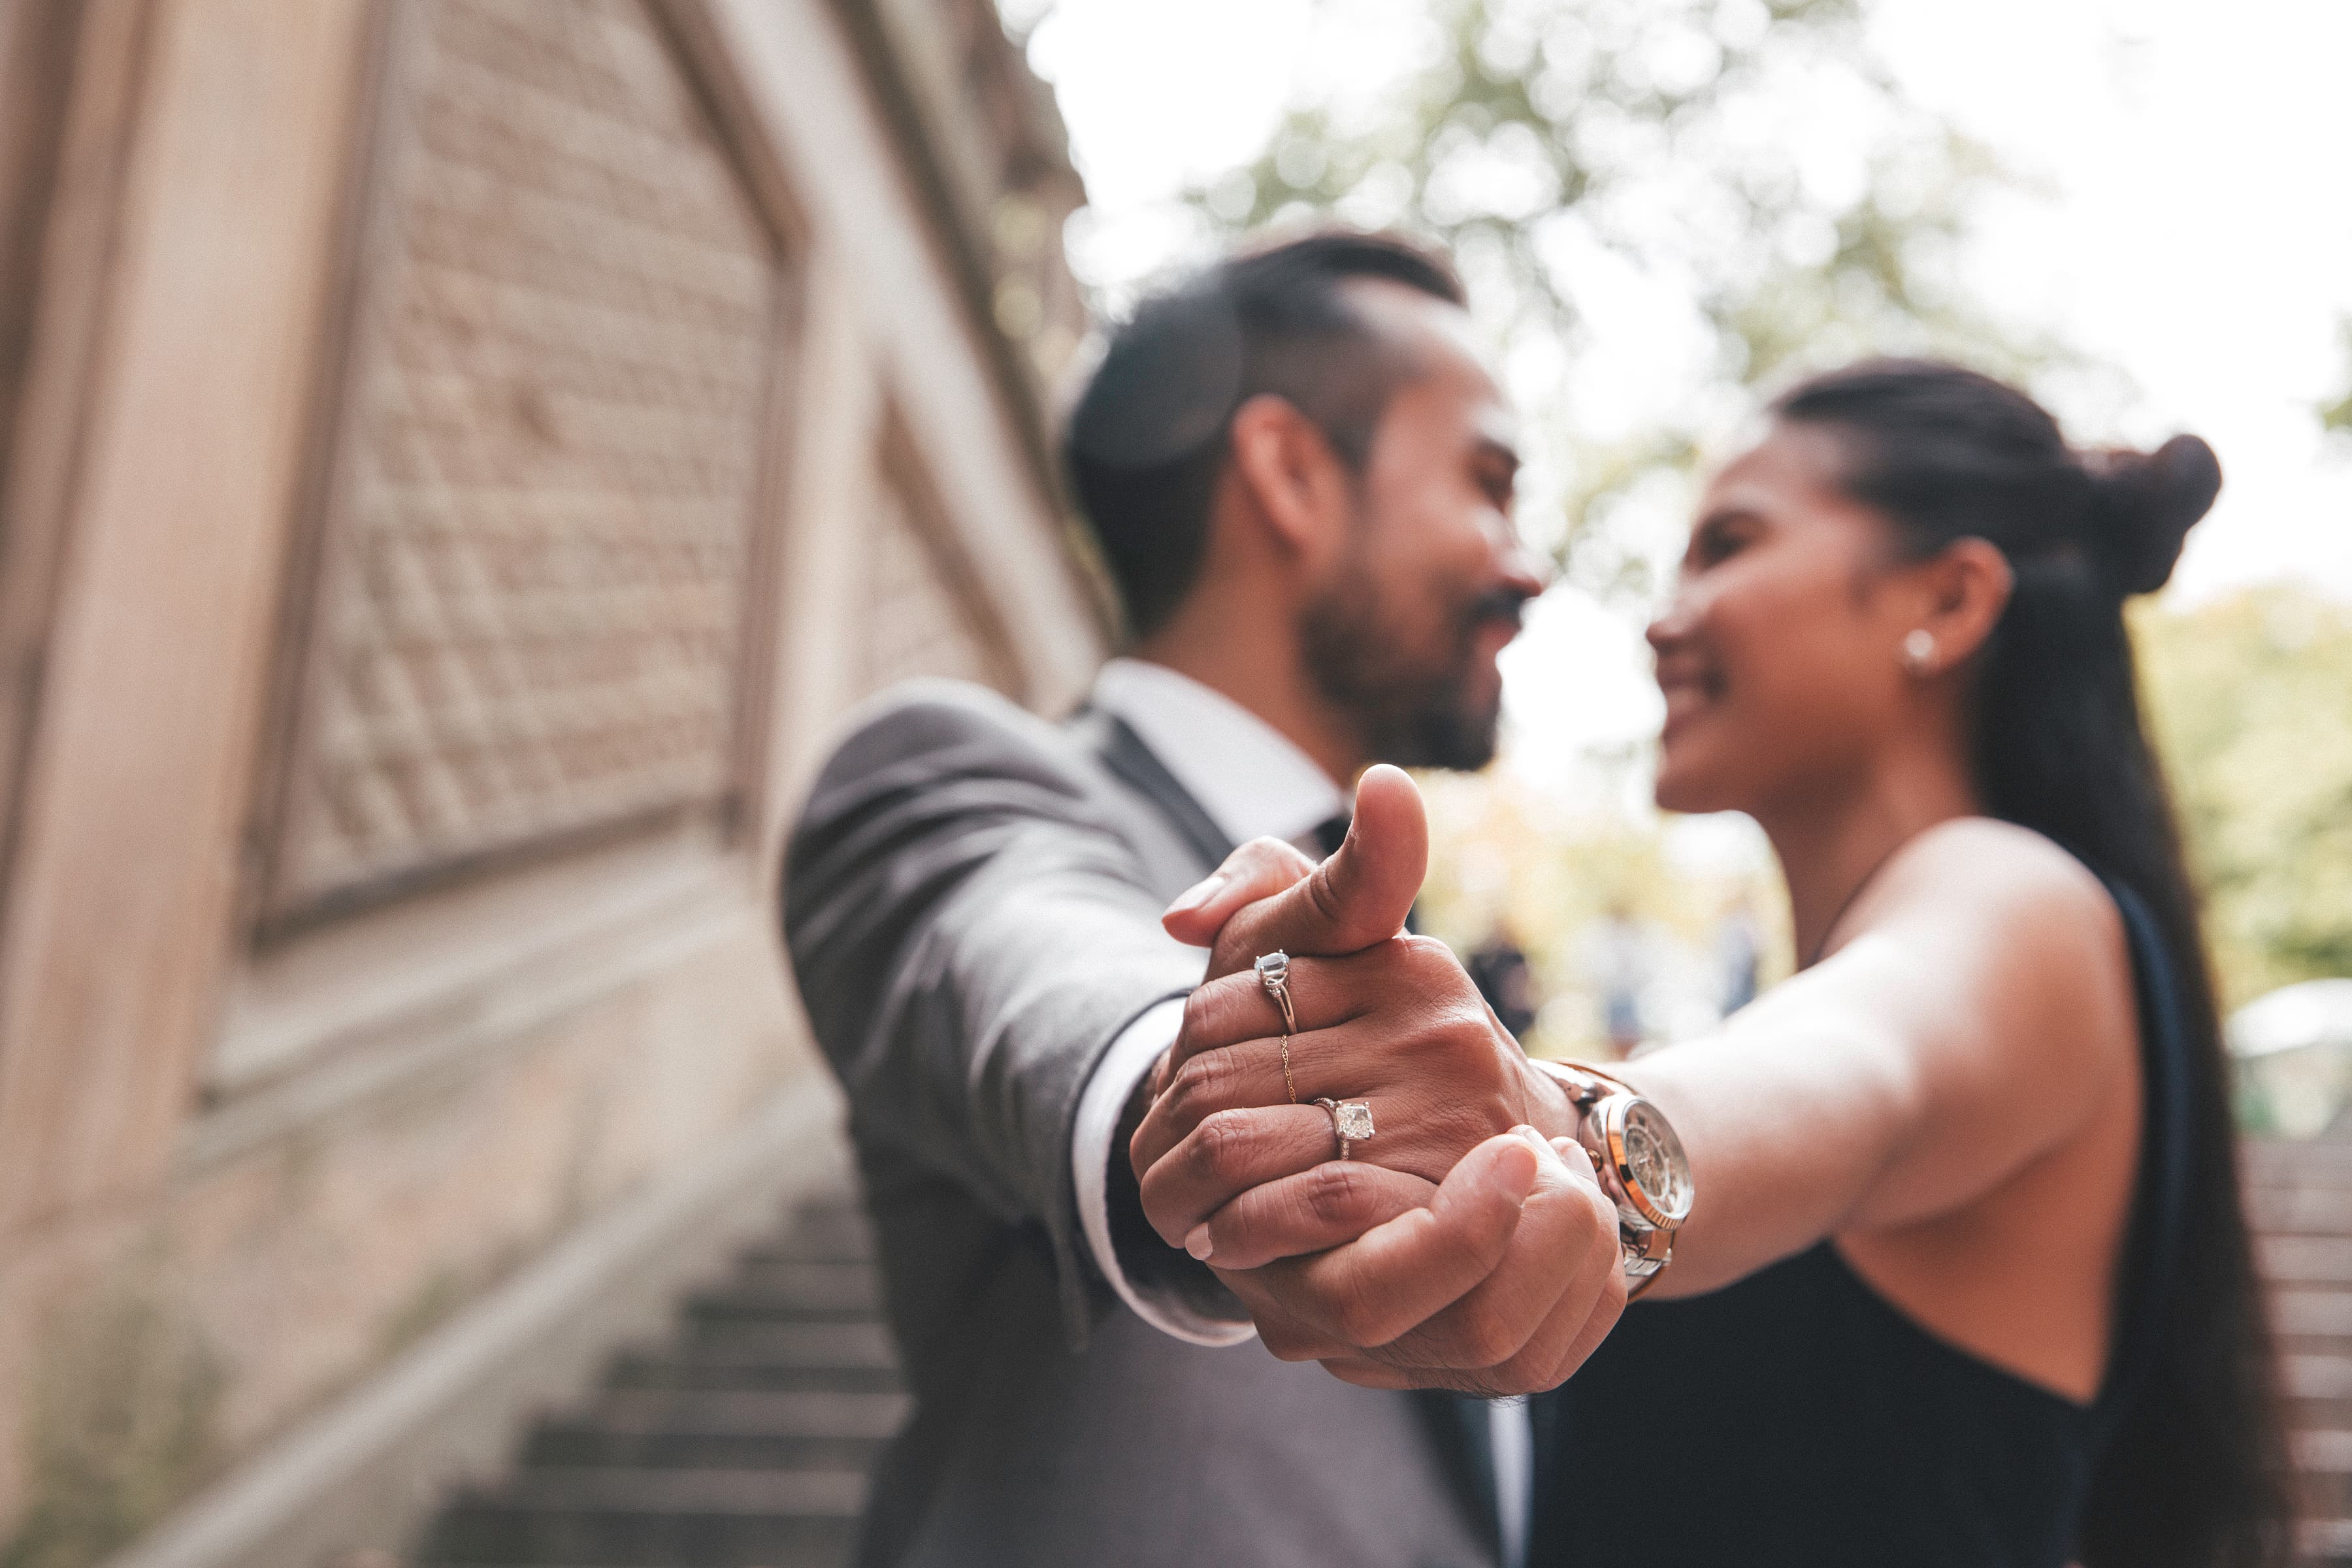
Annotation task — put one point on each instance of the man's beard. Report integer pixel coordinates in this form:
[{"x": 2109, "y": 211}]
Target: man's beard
[{"x": 1414, "y": 714}]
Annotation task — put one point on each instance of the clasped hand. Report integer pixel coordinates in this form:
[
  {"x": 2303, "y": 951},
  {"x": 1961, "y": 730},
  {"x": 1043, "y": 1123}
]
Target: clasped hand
[{"x": 1467, "y": 1244}]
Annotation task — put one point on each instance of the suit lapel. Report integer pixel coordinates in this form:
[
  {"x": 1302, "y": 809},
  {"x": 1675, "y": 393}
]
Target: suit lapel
[{"x": 1124, "y": 752}]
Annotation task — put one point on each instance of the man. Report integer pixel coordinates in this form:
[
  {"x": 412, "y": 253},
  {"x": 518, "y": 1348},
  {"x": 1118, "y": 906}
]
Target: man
[{"x": 1300, "y": 473}]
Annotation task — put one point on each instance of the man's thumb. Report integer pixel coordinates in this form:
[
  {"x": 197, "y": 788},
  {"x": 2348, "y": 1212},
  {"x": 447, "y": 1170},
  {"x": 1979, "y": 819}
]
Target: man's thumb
[{"x": 1357, "y": 897}]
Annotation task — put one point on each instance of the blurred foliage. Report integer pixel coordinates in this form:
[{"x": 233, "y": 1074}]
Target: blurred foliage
[
  {"x": 1512, "y": 862},
  {"x": 2335, "y": 416},
  {"x": 1547, "y": 141},
  {"x": 119, "y": 1427},
  {"x": 2250, "y": 701}
]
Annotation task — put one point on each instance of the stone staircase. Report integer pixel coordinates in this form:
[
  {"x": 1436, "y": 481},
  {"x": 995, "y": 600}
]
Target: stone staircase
[
  {"x": 743, "y": 1443},
  {"x": 2301, "y": 1197}
]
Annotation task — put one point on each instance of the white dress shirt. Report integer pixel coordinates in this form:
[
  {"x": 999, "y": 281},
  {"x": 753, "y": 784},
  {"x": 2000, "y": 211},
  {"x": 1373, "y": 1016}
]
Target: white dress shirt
[{"x": 1254, "y": 784}]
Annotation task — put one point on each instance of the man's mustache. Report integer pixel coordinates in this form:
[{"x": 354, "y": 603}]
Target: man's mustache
[{"x": 1504, "y": 606}]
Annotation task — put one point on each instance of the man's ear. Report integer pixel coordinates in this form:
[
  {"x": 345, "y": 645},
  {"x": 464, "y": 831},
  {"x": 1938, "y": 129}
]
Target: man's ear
[
  {"x": 1969, "y": 585},
  {"x": 1293, "y": 478}
]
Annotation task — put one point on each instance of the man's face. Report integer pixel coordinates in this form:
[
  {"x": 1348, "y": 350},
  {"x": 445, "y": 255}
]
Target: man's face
[{"x": 1402, "y": 633}]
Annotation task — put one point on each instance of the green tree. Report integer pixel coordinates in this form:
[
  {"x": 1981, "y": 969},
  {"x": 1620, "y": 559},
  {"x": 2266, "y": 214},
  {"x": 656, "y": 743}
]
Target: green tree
[
  {"x": 2335, "y": 413},
  {"x": 1752, "y": 155},
  {"x": 2250, "y": 701}
]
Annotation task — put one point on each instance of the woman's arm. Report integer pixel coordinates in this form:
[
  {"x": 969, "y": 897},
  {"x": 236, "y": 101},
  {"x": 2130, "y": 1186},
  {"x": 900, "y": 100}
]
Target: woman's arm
[{"x": 1976, "y": 1019}]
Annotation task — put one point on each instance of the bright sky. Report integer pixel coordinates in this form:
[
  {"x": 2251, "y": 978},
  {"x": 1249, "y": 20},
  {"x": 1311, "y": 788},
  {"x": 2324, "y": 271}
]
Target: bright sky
[{"x": 2196, "y": 234}]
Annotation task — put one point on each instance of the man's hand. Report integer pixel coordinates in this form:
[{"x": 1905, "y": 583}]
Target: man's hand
[
  {"x": 1385, "y": 1018},
  {"x": 1498, "y": 1281}
]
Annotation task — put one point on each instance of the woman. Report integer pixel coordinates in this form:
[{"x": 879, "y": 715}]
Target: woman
[{"x": 1968, "y": 1279}]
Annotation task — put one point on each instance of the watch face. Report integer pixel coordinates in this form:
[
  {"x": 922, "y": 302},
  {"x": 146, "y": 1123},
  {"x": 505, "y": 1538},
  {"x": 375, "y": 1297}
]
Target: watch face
[{"x": 1654, "y": 1159}]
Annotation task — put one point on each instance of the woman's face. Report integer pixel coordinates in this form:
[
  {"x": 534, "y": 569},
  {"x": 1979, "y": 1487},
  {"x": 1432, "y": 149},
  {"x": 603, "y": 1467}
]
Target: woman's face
[{"x": 1779, "y": 656}]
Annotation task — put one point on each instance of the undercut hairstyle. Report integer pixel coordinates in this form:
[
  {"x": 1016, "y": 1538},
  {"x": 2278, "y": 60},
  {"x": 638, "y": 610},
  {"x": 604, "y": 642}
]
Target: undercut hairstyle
[{"x": 1147, "y": 440}]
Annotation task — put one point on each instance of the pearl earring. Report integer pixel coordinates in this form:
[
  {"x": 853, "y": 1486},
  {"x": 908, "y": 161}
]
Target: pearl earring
[{"x": 1919, "y": 652}]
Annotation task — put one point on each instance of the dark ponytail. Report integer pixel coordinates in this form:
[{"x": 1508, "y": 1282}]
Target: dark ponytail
[{"x": 2197, "y": 1473}]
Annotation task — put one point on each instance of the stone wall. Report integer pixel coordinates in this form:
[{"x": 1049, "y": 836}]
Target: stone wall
[{"x": 476, "y": 451}]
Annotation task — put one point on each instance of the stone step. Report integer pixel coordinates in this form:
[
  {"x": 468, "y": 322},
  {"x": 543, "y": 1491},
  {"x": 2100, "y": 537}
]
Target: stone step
[
  {"x": 777, "y": 1413},
  {"x": 856, "y": 1342},
  {"x": 2328, "y": 1542},
  {"x": 2318, "y": 1390},
  {"x": 668, "y": 1371},
  {"x": 585, "y": 1444},
  {"x": 818, "y": 1235},
  {"x": 2318, "y": 1376},
  {"x": 718, "y": 1310},
  {"x": 2301, "y": 1210},
  {"x": 2292, "y": 1260},
  {"x": 666, "y": 1429},
  {"x": 2312, "y": 1312},
  {"x": 811, "y": 1288},
  {"x": 2325, "y": 1458},
  {"x": 2317, "y": 1394},
  {"x": 601, "y": 1516},
  {"x": 2319, "y": 1159}
]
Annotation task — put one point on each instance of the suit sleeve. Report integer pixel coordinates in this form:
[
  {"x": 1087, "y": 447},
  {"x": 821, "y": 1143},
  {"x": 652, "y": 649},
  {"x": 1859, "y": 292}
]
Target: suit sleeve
[{"x": 969, "y": 934}]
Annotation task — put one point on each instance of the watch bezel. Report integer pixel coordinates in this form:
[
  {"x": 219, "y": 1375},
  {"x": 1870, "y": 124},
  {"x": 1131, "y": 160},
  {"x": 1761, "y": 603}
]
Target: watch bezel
[{"x": 1604, "y": 1124}]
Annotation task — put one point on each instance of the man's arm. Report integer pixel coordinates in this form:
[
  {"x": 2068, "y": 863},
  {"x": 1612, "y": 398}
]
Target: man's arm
[{"x": 970, "y": 935}]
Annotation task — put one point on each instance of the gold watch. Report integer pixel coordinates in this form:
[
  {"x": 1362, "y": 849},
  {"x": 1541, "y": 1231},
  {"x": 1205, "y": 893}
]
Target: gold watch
[{"x": 1639, "y": 1161}]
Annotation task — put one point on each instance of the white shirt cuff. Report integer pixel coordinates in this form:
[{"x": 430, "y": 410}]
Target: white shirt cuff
[
  {"x": 1514, "y": 1433},
  {"x": 1130, "y": 1056}
]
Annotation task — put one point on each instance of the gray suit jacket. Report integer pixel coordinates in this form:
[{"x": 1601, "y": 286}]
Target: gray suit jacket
[{"x": 972, "y": 903}]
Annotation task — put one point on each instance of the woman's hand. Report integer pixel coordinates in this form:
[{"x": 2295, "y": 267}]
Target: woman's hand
[
  {"x": 1502, "y": 1285},
  {"x": 1437, "y": 1264},
  {"x": 1392, "y": 1021}
]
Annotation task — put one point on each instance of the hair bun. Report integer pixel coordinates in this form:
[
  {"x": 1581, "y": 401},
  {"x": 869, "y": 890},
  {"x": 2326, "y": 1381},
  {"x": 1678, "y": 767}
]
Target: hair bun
[{"x": 2145, "y": 503}]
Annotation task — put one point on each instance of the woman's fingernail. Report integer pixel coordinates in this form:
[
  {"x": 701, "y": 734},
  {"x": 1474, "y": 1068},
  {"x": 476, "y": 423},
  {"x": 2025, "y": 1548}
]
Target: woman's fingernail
[
  {"x": 1198, "y": 893},
  {"x": 1197, "y": 1242},
  {"x": 1520, "y": 1188}
]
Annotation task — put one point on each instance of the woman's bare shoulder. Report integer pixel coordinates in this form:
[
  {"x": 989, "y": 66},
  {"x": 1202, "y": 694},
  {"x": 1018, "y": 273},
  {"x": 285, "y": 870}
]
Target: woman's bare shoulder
[
  {"x": 2023, "y": 920},
  {"x": 1978, "y": 867}
]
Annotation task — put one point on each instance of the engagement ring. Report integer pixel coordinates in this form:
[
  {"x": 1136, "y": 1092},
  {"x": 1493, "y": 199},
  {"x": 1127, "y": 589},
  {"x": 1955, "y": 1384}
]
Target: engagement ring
[{"x": 1352, "y": 1121}]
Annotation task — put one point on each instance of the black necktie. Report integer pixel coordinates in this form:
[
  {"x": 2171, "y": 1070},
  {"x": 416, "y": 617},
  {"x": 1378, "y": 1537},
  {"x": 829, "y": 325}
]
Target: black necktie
[{"x": 1332, "y": 832}]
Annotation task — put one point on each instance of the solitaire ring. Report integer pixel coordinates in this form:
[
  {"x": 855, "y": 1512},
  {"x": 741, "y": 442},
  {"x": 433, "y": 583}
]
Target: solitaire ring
[
  {"x": 1273, "y": 974},
  {"x": 1351, "y": 1122}
]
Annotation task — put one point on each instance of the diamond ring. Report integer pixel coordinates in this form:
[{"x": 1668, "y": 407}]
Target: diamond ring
[
  {"x": 1351, "y": 1122},
  {"x": 1273, "y": 974}
]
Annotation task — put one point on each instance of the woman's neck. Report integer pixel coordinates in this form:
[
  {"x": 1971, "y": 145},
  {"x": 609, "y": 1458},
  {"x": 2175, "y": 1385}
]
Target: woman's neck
[{"x": 1832, "y": 839}]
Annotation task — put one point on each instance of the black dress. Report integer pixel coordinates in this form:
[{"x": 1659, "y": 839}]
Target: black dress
[{"x": 1796, "y": 1417}]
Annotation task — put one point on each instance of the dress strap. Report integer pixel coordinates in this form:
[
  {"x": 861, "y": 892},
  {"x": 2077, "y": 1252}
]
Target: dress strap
[{"x": 2159, "y": 1210}]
